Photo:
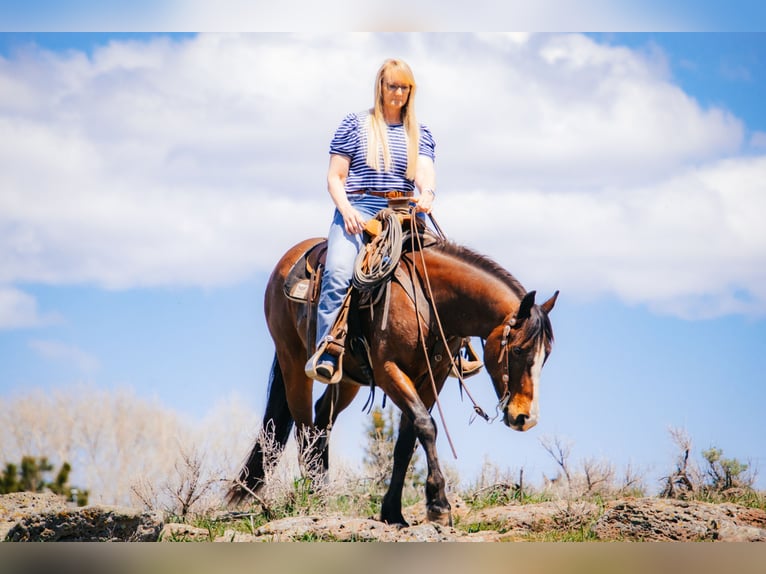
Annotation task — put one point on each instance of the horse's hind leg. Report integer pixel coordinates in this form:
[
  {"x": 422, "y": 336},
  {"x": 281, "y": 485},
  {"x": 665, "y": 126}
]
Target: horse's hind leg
[
  {"x": 274, "y": 433},
  {"x": 334, "y": 400},
  {"x": 299, "y": 397}
]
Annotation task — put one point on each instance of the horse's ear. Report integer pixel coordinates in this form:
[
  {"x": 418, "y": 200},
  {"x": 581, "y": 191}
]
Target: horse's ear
[
  {"x": 548, "y": 305},
  {"x": 526, "y": 306}
]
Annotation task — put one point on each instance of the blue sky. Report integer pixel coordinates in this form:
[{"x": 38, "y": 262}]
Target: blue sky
[
  {"x": 148, "y": 183},
  {"x": 242, "y": 15}
]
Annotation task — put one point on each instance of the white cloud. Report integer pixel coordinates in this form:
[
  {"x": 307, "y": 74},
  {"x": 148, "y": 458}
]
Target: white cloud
[
  {"x": 578, "y": 165},
  {"x": 19, "y": 310},
  {"x": 758, "y": 140},
  {"x": 692, "y": 245},
  {"x": 62, "y": 352},
  {"x": 566, "y": 112},
  {"x": 340, "y": 15}
]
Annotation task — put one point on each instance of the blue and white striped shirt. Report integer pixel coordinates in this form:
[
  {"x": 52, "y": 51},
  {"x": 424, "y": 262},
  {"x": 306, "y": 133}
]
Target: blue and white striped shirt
[{"x": 350, "y": 140}]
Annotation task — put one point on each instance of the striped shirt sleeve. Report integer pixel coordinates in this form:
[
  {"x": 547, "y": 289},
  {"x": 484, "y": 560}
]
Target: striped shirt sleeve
[
  {"x": 346, "y": 138},
  {"x": 427, "y": 145}
]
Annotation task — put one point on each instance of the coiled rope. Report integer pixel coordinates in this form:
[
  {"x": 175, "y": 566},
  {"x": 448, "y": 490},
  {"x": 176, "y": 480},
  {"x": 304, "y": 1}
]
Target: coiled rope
[{"x": 378, "y": 260}]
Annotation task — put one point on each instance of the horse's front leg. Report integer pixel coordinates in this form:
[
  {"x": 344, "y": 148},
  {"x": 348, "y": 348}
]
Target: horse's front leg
[
  {"x": 402, "y": 392},
  {"x": 391, "y": 509},
  {"x": 438, "y": 508}
]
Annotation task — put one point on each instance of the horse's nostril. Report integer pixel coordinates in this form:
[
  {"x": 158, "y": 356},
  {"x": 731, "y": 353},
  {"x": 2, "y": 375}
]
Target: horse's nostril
[{"x": 520, "y": 420}]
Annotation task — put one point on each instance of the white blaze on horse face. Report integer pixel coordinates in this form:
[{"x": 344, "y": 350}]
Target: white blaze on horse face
[{"x": 534, "y": 373}]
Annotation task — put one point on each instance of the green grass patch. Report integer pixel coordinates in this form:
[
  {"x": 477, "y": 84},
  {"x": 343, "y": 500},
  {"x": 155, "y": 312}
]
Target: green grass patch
[
  {"x": 577, "y": 535},
  {"x": 743, "y": 496},
  {"x": 501, "y": 495},
  {"x": 483, "y": 526}
]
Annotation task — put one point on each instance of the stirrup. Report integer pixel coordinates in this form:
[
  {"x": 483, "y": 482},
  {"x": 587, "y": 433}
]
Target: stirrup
[
  {"x": 469, "y": 365},
  {"x": 311, "y": 365}
]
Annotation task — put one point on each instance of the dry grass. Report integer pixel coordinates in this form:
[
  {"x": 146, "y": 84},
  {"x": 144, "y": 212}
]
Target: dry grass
[{"x": 129, "y": 451}]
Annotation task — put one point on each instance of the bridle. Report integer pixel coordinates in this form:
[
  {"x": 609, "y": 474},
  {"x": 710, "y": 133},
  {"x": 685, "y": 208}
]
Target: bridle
[{"x": 503, "y": 359}]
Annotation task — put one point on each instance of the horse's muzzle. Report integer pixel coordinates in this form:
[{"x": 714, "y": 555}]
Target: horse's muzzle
[{"x": 520, "y": 422}]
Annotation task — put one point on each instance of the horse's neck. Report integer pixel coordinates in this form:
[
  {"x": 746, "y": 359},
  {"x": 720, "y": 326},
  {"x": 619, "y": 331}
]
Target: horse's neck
[{"x": 470, "y": 300}]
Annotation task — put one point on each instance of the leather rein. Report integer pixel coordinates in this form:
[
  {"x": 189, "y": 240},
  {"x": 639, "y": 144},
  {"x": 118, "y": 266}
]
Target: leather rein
[{"x": 504, "y": 357}]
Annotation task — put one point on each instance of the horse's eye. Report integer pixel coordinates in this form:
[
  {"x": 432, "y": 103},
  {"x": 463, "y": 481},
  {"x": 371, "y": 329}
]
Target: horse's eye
[{"x": 517, "y": 350}]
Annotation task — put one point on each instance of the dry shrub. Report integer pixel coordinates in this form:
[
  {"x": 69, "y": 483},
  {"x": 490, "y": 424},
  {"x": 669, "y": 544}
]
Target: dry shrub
[
  {"x": 591, "y": 478},
  {"x": 719, "y": 478},
  {"x": 116, "y": 441},
  {"x": 190, "y": 490},
  {"x": 495, "y": 486}
]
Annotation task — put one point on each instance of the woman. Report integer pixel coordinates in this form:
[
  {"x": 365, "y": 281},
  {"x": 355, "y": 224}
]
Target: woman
[{"x": 374, "y": 155}]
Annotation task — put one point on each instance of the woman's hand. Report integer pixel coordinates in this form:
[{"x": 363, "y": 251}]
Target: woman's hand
[
  {"x": 352, "y": 219},
  {"x": 336, "y": 177},
  {"x": 425, "y": 181},
  {"x": 423, "y": 204}
]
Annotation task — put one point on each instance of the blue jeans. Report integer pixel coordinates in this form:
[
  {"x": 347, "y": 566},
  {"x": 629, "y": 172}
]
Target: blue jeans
[{"x": 342, "y": 249}]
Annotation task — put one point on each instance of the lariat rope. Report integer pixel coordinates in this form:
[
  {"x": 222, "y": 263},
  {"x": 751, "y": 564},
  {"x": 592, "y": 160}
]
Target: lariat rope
[{"x": 379, "y": 259}]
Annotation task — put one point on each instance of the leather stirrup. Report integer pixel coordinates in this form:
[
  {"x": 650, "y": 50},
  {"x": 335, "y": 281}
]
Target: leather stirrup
[{"x": 469, "y": 365}]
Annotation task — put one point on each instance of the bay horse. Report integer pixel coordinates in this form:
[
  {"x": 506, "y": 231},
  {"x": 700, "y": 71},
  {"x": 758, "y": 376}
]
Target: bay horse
[{"x": 473, "y": 296}]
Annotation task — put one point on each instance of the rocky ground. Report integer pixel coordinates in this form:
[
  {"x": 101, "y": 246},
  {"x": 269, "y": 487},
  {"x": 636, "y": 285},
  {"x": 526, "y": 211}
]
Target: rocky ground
[{"x": 46, "y": 517}]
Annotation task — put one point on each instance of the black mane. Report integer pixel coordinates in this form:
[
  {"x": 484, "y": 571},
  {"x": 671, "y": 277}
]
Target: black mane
[
  {"x": 538, "y": 324},
  {"x": 484, "y": 263}
]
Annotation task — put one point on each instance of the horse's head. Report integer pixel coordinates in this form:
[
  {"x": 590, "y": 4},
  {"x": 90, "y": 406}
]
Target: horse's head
[{"x": 515, "y": 352}]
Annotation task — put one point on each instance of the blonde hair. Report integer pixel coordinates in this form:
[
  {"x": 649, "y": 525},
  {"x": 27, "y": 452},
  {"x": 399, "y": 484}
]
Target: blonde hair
[{"x": 377, "y": 129}]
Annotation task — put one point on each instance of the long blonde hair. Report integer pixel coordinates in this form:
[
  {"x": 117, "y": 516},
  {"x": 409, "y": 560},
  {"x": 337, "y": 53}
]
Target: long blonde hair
[{"x": 377, "y": 132}]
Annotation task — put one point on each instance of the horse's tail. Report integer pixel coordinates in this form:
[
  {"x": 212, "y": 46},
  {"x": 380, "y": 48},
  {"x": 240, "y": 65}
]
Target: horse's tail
[{"x": 274, "y": 433}]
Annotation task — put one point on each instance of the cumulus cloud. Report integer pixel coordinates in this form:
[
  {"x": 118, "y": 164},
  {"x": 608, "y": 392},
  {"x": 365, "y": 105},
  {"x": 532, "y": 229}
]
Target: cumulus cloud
[
  {"x": 578, "y": 165},
  {"x": 339, "y": 15},
  {"x": 20, "y": 310},
  {"x": 563, "y": 111},
  {"x": 690, "y": 245},
  {"x": 758, "y": 140},
  {"x": 69, "y": 354}
]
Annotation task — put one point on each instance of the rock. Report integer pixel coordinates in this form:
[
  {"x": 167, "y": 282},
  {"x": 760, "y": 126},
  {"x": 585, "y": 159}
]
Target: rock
[
  {"x": 234, "y": 536},
  {"x": 17, "y": 505},
  {"x": 657, "y": 519},
  {"x": 177, "y": 532},
  {"x": 88, "y": 524},
  {"x": 729, "y": 532},
  {"x": 635, "y": 519},
  {"x": 426, "y": 532},
  {"x": 47, "y": 517},
  {"x": 521, "y": 519},
  {"x": 341, "y": 529},
  {"x": 335, "y": 528}
]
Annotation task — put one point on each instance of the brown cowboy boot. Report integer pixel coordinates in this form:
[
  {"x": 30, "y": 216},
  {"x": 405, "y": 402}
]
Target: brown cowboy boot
[
  {"x": 469, "y": 365},
  {"x": 326, "y": 364}
]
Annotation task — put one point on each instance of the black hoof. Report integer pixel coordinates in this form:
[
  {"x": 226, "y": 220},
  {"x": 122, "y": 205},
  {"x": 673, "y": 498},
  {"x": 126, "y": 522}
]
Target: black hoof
[
  {"x": 398, "y": 521},
  {"x": 439, "y": 516}
]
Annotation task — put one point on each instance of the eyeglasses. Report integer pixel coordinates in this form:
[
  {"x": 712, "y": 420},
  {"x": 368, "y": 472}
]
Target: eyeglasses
[{"x": 396, "y": 87}]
